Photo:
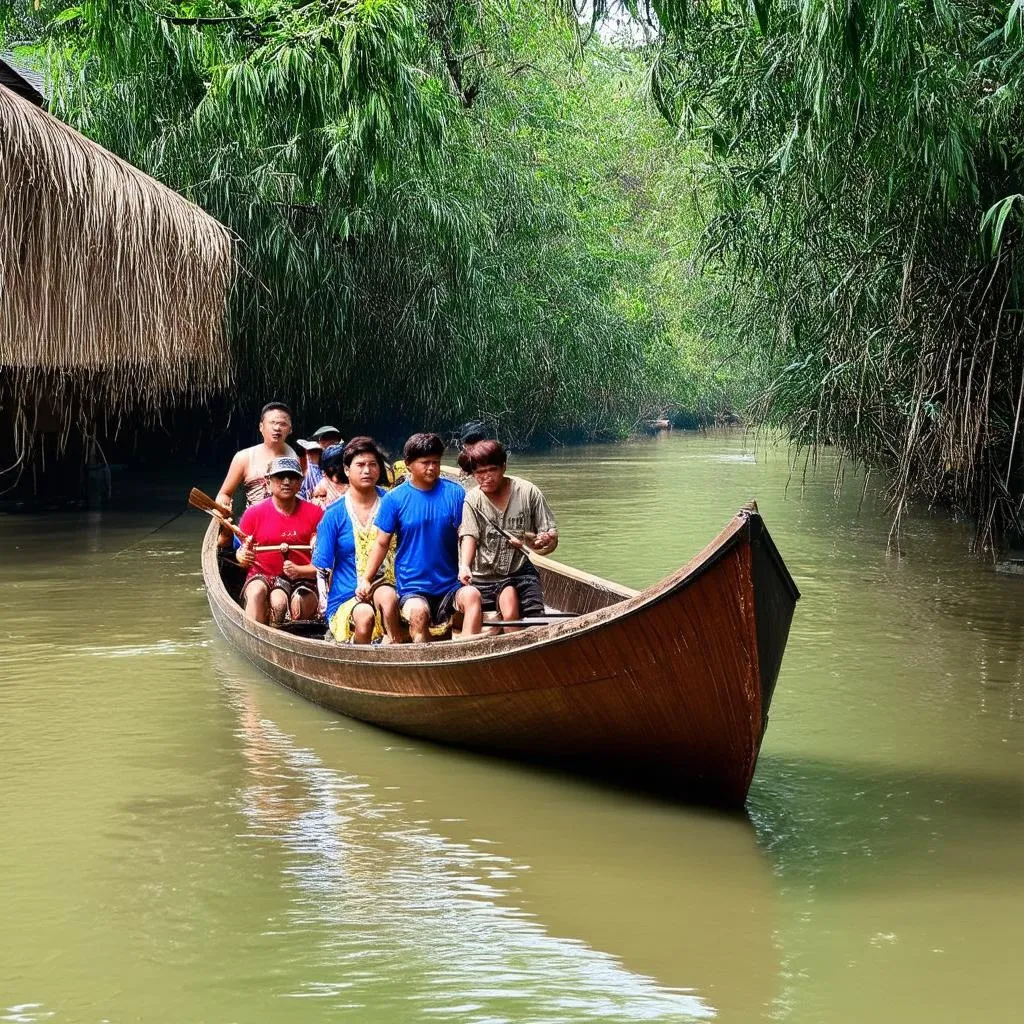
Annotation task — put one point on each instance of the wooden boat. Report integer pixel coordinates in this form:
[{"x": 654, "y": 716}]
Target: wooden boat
[{"x": 668, "y": 687}]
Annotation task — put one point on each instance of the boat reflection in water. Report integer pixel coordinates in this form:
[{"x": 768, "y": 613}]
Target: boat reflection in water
[{"x": 420, "y": 880}]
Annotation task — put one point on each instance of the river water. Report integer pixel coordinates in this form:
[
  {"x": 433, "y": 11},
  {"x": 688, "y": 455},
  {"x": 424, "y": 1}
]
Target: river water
[{"x": 183, "y": 840}]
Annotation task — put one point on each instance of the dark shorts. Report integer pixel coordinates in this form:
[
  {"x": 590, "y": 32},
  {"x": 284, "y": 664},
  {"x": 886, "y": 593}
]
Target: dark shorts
[
  {"x": 525, "y": 582},
  {"x": 442, "y": 606},
  {"x": 289, "y": 587}
]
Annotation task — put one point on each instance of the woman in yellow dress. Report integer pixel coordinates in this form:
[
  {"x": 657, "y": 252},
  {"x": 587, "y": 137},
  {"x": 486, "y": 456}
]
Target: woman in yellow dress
[{"x": 344, "y": 539}]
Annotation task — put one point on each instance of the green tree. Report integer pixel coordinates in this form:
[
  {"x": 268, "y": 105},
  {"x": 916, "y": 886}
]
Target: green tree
[
  {"x": 865, "y": 163},
  {"x": 432, "y": 198}
]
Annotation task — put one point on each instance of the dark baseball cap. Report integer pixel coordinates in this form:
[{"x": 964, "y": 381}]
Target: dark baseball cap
[{"x": 285, "y": 465}]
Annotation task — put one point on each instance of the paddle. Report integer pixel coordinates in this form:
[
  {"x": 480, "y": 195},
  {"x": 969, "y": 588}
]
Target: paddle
[
  {"x": 202, "y": 501},
  {"x": 220, "y": 519}
]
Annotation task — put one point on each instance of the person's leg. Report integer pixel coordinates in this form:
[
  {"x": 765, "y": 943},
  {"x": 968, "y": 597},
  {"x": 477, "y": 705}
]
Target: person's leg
[
  {"x": 254, "y": 600},
  {"x": 363, "y": 618},
  {"x": 467, "y": 601},
  {"x": 529, "y": 593},
  {"x": 303, "y": 604},
  {"x": 385, "y": 600},
  {"x": 278, "y": 606},
  {"x": 416, "y": 612},
  {"x": 508, "y": 605}
]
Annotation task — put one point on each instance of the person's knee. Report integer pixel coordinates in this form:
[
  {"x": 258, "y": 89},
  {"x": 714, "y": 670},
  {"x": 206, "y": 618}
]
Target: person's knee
[
  {"x": 417, "y": 613},
  {"x": 362, "y": 617},
  {"x": 467, "y": 599}
]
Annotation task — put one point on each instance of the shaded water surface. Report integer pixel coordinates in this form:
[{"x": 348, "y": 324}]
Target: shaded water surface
[{"x": 182, "y": 840}]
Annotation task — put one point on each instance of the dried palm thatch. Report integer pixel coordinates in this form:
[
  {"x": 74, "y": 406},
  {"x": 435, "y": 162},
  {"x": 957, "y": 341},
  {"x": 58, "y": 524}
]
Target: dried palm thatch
[{"x": 112, "y": 286}]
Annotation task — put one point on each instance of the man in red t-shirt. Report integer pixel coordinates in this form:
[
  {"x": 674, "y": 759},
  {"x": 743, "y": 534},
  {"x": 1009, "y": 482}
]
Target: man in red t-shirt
[{"x": 281, "y": 580}]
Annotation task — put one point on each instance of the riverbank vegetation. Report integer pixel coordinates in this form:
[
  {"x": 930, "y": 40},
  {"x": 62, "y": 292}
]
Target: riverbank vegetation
[
  {"x": 865, "y": 166},
  {"x": 809, "y": 210},
  {"x": 444, "y": 209}
]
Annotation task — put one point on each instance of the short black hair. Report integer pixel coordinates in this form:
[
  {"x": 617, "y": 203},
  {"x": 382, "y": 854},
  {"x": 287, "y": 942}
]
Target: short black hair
[
  {"x": 271, "y": 406},
  {"x": 420, "y": 446},
  {"x": 364, "y": 446}
]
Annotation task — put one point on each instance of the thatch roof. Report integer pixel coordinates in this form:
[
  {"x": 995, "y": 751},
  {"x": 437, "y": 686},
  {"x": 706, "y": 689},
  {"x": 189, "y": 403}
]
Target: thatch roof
[{"x": 106, "y": 276}]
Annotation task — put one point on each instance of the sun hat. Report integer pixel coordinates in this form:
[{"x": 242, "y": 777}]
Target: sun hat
[
  {"x": 320, "y": 431},
  {"x": 310, "y": 446},
  {"x": 285, "y": 465}
]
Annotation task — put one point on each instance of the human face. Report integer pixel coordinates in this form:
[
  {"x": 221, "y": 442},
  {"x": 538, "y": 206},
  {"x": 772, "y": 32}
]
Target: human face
[
  {"x": 326, "y": 440},
  {"x": 423, "y": 472},
  {"x": 284, "y": 486},
  {"x": 490, "y": 479},
  {"x": 363, "y": 471},
  {"x": 275, "y": 426}
]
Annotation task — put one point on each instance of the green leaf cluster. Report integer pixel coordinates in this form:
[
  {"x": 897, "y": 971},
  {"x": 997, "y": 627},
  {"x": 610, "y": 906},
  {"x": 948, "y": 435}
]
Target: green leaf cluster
[
  {"x": 865, "y": 162},
  {"x": 443, "y": 208}
]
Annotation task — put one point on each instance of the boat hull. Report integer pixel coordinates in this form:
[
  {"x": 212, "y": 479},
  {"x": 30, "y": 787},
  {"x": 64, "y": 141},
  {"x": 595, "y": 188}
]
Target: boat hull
[{"x": 668, "y": 687}]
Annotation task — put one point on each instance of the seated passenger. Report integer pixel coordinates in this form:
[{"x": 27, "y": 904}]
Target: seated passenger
[
  {"x": 279, "y": 581},
  {"x": 502, "y": 516},
  {"x": 425, "y": 513},
  {"x": 323, "y": 438},
  {"x": 249, "y": 466},
  {"x": 332, "y": 485},
  {"x": 344, "y": 541}
]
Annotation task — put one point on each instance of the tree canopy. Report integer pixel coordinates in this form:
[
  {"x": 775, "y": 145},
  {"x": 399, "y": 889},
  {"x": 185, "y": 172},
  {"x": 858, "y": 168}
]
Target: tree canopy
[
  {"x": 443, "y": 208},
  {"x": 865, "y": 162}
]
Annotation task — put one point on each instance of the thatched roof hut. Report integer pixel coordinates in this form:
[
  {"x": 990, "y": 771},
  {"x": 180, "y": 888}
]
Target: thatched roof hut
[{"x": 112, "y": 286}]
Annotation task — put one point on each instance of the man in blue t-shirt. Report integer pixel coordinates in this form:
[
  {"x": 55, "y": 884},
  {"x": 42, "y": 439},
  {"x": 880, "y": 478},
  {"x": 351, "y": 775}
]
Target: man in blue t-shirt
[{"x": 425, "y": 512}]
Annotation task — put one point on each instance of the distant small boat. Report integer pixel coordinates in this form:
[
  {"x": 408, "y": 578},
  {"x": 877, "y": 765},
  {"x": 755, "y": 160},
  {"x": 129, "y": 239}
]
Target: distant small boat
[{"x": 668, "y": 688}]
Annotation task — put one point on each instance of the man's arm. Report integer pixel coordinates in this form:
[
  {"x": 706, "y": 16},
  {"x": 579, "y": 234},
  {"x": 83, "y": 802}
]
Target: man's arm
[
  {"x": 378, "y": 553},
  {"x": 245, "y": 555},
  {"x": 234, "y": 480},
  {"x": 467, "y": 552},
  {"x": 295, "y": 571},
  {"x": 544, "y": 523}
]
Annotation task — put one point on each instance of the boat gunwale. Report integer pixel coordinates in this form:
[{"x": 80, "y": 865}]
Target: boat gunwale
[{"x": 485, "y": 649}]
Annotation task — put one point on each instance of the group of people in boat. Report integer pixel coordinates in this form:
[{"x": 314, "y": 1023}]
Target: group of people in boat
[{"x": 386, "y": 553}]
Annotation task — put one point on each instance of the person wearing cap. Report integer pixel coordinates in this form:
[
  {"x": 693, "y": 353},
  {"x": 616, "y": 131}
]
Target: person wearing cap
[
  {"x": 282, "y": 580},
  {"x": 322, "y": 439},
  {"x": 334, "y": 482},
  {"x": 249, "y": 466}
]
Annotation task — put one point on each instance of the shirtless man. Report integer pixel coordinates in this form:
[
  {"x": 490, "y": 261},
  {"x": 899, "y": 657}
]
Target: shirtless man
[{"x": 249, "y": 466}]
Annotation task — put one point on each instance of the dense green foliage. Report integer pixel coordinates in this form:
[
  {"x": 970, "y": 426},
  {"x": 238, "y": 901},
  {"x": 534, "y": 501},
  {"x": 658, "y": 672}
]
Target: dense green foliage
[
  {"x": 444, "y": 209},
  {"x": 866, "y": 161}
]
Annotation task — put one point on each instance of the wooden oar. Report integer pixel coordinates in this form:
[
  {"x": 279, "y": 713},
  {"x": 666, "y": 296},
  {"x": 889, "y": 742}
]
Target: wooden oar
[
  {"x": 223, "y": 522},
  {"x": 202, "y": 501},
  {"x": 198, "y": 499}
]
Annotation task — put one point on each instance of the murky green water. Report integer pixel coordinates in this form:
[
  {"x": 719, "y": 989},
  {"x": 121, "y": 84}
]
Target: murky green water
[{"x": 182, "y": 840}]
